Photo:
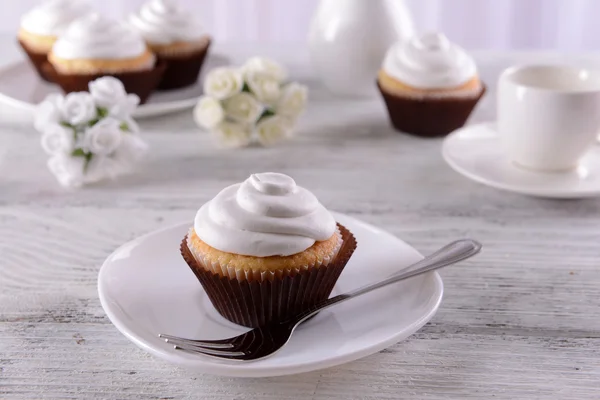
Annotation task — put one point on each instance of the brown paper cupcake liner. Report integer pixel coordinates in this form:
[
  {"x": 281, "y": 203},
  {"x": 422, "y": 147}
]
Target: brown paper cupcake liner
[
  {"x": 182, "y": 70},
  {"x": 142, "y": 83},
  {"x": 37, "y": 60},
  {"x": 258, "y": 302},
  {"x": 431, "y": 116}
]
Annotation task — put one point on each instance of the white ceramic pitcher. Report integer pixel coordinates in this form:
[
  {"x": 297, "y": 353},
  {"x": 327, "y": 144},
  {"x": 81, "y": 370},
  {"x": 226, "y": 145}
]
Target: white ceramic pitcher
[{"x": 348, "y": 40}]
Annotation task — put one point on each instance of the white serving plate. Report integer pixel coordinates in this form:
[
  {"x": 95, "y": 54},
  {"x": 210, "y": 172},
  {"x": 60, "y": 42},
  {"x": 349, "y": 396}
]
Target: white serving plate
[
  {"x": 22, "y": 89},
  {"x": 146, "y": 288}
]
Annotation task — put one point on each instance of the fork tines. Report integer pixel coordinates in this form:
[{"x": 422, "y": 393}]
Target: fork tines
[{"x": 220, "y": 348}]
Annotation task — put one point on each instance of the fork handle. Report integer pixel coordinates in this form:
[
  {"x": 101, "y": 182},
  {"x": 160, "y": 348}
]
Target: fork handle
[{"x": 450, "y": 254}]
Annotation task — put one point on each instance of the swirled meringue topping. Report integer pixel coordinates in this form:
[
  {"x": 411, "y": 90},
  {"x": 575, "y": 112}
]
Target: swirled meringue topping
[
  {"x": 165, "y": 22},
  {"x": 430, "y": 61},
  {"x": 52, "y": 17},
  {"x": 95, "y": 37},
  {"x": 266, "y": 215}
]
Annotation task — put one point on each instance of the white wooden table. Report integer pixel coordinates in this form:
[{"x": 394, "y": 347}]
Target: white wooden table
[{"x": 521, "y": 321}]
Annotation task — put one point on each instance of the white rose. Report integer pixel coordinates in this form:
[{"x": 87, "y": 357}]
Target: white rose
[
  {"x": 265, "y": 87},
  {"x": 109, "y": 93},
  {"x": 272, "y": 129},
  {"x": 124, "y": 108},
  {"x": 78, "y": 108},
  {"x": 102, "y": 167},
  {"x": 230, "y": 134},
  {"x": 131, "y": 150},
  {"x": 292, "y": 101},
  {"x": 68, "y": 170},
  {"x": 266, "y": 67},
  {"x": 223, "y": 82},
  {"x": 58, "y": 139},
  {"x": 104, "y": 137},
  {"x": 243, "y": 108},
  {"x": 48, "y": 111},
  {"x": 129, "y": 125},
  {"x": 208, "y": 113}
]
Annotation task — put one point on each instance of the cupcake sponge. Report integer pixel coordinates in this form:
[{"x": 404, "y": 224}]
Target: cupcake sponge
[
  {"x": 36, "y": 43},
  {"x": 180, "y": 48},
  {"x": 393, "y": 86},
  {"x": 145, "y": 61},
  {"x": 317, "y": 254}
]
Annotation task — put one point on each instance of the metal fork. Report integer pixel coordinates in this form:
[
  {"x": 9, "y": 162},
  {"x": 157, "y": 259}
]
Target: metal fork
[{"x": 264, "y": 341}]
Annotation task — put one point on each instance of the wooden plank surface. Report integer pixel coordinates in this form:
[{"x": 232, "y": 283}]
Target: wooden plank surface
[{"x": 521, "y": 321}]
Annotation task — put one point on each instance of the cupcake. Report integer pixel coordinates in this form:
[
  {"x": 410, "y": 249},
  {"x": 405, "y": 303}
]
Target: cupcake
[
  {"x": 43, "y": 24},
  {"x": 430, "y": 85},
  {"x": 266, "y": 249},
  {"x": 177, "y": 39},
  {"x": 93, "y": 47}
]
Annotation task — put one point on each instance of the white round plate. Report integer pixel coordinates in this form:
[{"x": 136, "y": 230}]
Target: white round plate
[
  {"x": 146, "y": 288},
  {"x": 22, "y": 88},
  {"x": 475, "y": 151}
]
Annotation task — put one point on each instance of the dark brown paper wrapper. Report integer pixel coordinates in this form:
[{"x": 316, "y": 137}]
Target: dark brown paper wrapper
[
  {"x": 183, "y": 70},
  {"x": 37, "y": 60},
  {"x": 254, "y": 304},
  {"x": 141, "y": 83},
  {"x": 430, "y": 117}
]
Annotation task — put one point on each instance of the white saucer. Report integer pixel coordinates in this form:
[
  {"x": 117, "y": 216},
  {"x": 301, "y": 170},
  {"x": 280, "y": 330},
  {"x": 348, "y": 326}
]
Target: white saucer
[
  {"x": 475, "y": 151},
  {"x": 146, "y": 288},
  {"x": 22, "y": 88}
]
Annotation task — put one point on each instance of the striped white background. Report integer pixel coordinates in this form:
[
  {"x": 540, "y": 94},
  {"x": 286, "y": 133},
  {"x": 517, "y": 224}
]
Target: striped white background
[{"x": 569, "y": 25}]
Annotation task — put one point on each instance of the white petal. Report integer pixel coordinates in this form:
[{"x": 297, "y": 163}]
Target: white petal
[
  {"x": 273, "y": 129},
  {"x": 243, "y": 108},
  {"x": 209, "y": 112},
  {"x": 231, "y": 135},
  {"x": 223, "y": 82},
  {"x": 266, "y": 66},
  {"x": 68, "y": 170}
]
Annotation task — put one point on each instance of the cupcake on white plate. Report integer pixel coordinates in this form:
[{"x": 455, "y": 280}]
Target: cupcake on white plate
[
  {"x": 174, "y": 34},
  {"x": 266, "y": 249},
  {"x": 94, "y": 46},
  {"x": 41, "y": 26},
  {"x": 430, "y": 85}
]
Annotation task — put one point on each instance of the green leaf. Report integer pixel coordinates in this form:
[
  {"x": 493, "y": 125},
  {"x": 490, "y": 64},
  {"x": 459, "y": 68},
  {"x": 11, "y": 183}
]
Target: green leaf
[
  {"x": 66, "y": 124},
  {"x": 88, "y": 158},
  {"x": 246, "y": 88},
  {"x": 267, "y": 113},
  {"x": 79, "y": 153},
  {"x": 102, "y": 112}
]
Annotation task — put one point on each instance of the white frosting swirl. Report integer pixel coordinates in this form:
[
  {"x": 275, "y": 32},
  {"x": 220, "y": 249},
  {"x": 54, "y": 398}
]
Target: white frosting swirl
[
  {"x": 95, "y": 37},
  {"x": 165, "y": 22},
  {"x": 267, "y": 215},
  {"x": 52, "y": 17},
  {"x": 429, "y": 62}
]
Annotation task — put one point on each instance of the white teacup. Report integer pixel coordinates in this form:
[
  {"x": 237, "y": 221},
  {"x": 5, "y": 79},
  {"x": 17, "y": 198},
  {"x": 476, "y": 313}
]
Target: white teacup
[{"x": 548, "y": 116}]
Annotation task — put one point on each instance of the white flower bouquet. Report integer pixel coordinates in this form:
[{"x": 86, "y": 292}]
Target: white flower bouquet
[
  {"x": 250, "y": 103},
  {"x": 90, "y": 136}
]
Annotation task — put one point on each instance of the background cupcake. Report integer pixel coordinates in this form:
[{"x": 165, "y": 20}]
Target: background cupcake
[
  {"x": 41, "y": 26},
  {"x": 177, "y": 39},
  {"x": 430, "y": 85},
  {"x": 93, "y": 46},
  {"x": 266, "y": 249}
]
